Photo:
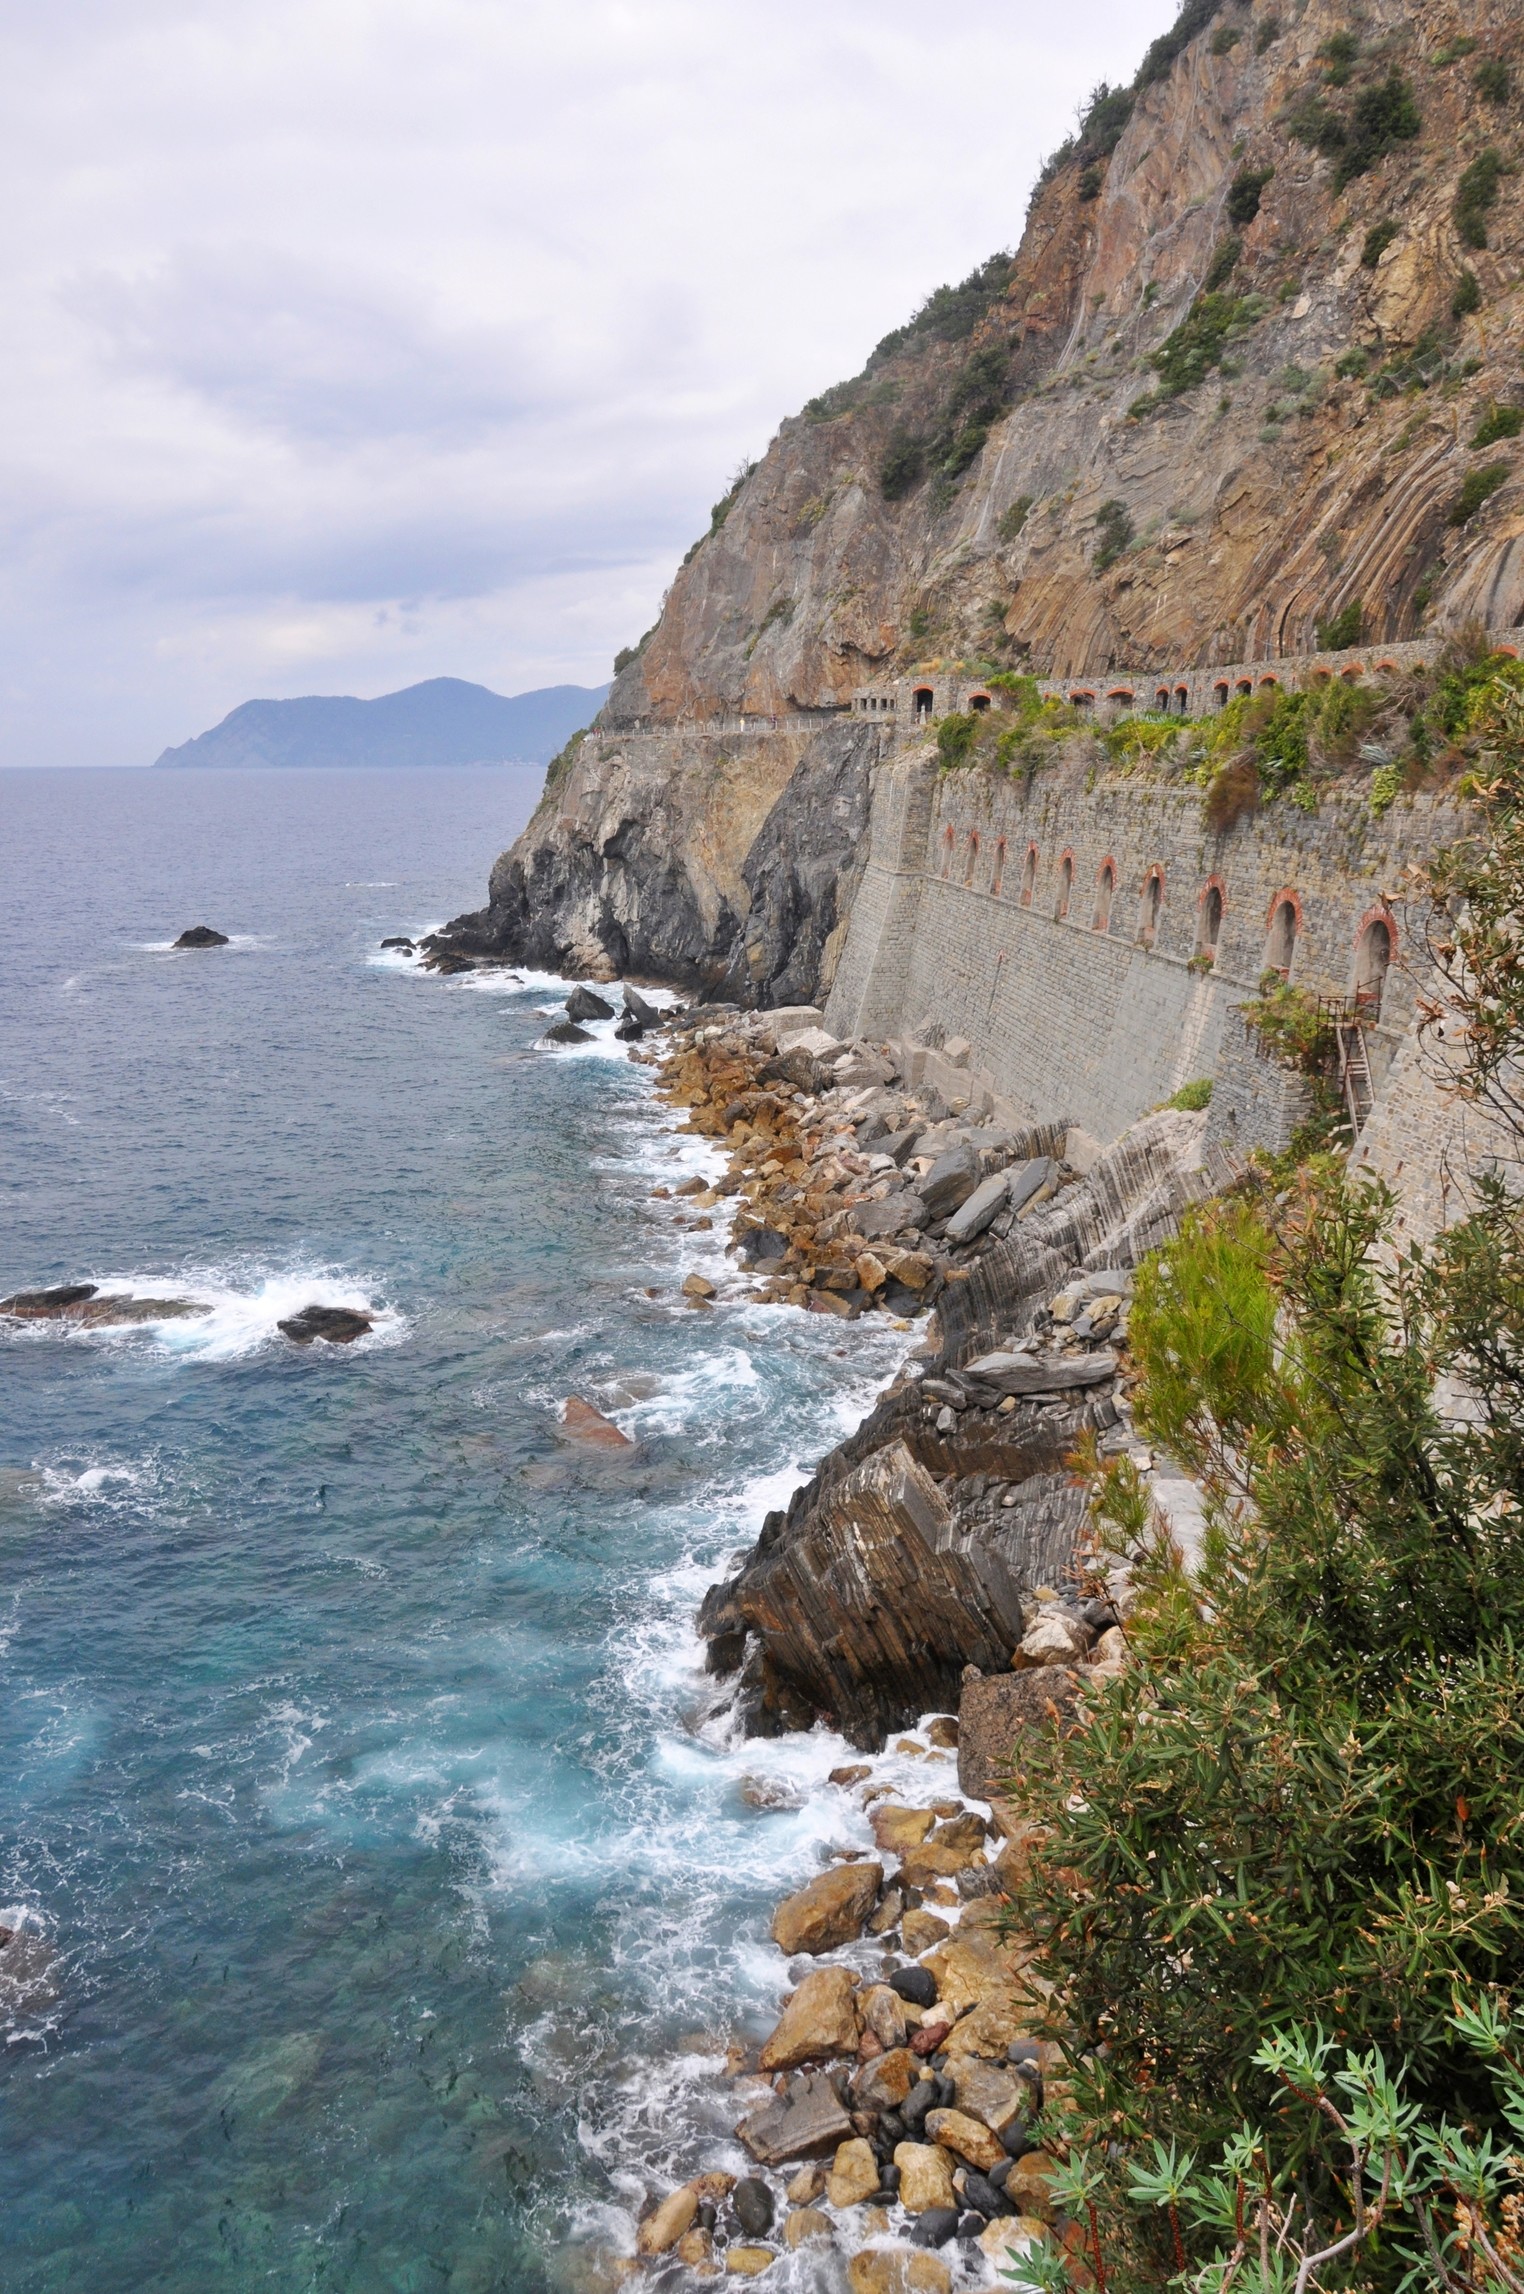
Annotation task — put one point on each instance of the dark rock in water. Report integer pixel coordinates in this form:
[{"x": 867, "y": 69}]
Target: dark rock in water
[
  {"x": 340, "y": 1325},
  {"x": 763, "y": 1246},
  {"x": 638, "y": 1009},
  {"x": 582, "y": 1004},
  {"x": 566, "y": 1031},
  {"x": 935, "y": 2227},
  {"x": 629, "y": 1030},
  {"x": 979, "y": 2193},
  {"x": 970, "y": 2225},
  {"x": 33, "y": 1305},
  {"x": 753, "y": 2205},
  {"x": 917, "y": 1984},
  {"x": 81, "y": 1304},
  {"x": 202, "y": 936},
  {"x": 27, "y": 1962},
  {"x": 398, "y": 942},
  {"x": 810, "y": 2122},
  {"x": 582, "y": 1423}
]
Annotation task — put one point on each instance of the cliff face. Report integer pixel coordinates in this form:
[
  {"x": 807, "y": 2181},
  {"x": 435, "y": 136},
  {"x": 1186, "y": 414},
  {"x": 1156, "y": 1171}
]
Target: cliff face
[{"x": 1226, "y": 391}]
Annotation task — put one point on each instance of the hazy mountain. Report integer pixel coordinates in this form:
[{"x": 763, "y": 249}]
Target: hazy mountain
[{"x": 444, "y": 721}]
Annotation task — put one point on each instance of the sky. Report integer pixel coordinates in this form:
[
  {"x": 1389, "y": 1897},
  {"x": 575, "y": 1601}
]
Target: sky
[{"x": 352, "y": 342}]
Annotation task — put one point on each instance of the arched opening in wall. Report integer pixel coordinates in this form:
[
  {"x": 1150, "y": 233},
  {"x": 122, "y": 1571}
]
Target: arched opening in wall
[
  {"x": 1065, "y": 885},
  {"x": 1373, "y": 957},
  {"x": 922, "y": 699},
  {"x": 1161, "y": 698},
  {"x": 948, "y": 840},
  {"x": 1029, "y": 877},
  {"x": 1280, "y": 946},
  {"x": 1149, "y": 907},
  {"x": 1183, "y": 700},
  {"x": 1121, "y": 697},
  {"x": 1322, "y": 677},
  {"x": 1386, "y": 669},
  {"x": 1509, "y": 652},
  {"x": 1220, "y": 693},
  {"x": 1245, "y": 687},
  {"x": 997, "y": 877},
  {"x": 973, "y": 856},
  {"x": 1082, "y": 700},
  {"x": 1105, "y": 888},
  {"x": 1209, "y": 920},
  {"x": 1353, "y": 674},
  {"x": 978, "y": 702},
  {"x": 1272, "y": 682}
]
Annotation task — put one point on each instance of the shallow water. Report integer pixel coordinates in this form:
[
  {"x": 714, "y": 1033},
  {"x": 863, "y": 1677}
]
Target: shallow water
[{"x": 357, "y": 1770}]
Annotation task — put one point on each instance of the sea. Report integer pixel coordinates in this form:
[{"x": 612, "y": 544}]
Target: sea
[{"x": 392, "y": 1878}]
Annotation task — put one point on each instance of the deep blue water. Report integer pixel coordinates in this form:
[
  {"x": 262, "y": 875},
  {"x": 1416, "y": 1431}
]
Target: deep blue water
[{"x": 357, "y": 1772}]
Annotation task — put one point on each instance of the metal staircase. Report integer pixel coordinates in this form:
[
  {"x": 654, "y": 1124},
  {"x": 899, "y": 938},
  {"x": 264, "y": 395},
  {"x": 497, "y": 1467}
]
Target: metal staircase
[{"x": 1355, "y": 1071}]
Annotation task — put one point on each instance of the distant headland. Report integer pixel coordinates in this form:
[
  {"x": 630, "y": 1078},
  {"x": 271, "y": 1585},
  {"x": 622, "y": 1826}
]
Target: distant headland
[{"x": 444, "y": 721}]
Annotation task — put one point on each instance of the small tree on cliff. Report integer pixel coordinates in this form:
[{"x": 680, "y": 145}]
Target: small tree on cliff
[{"x": 1301, "y": 1807}]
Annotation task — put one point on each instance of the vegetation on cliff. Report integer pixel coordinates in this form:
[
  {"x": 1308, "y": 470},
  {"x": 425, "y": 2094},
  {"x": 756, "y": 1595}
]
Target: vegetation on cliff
[{"x": 1290, "y": 1833}]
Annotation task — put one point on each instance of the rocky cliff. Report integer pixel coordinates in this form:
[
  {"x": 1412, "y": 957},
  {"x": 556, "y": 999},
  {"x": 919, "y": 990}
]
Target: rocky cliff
[{"x": 1253, "y": 373}]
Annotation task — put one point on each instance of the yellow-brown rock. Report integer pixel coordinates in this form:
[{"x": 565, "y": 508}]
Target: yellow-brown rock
[
  {"x": 830, "y": 1911},
  {"x": 749, "y": 2261},
  {"x": 1011, "y": 2236},
  {"x": 1027, "y": 2185},
  {"x": 896, "y": 2270},
  {"x": 970, "y": 2138},
  {"x": 925, "y": 2176},
  {"x": 819, "y": 2021},
  {"x": 854, "y": 2174},
  {"x": 662, "y": 2228},
  {"x": 922, "y": 1929},
  {"x": 806, "y": 2228},
  {"x": 883, "y": 2084},
  {"x": 897, "y": 1830}
]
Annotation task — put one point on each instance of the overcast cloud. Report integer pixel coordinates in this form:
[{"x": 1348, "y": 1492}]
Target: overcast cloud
[{"x": 350, "y": 342}]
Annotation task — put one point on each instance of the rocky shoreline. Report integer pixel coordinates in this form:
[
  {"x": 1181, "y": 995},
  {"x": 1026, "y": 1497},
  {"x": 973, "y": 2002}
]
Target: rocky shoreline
[{"x": 886, "y": 2134}]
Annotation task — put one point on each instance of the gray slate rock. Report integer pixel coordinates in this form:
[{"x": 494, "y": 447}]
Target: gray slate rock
[
  {"x": 1042, "y": 1373},
  {"x": 805, "y": 2125},
  {"x": 950, "y": 1182},
  {"x": 1024, "y": 1180},
  {"x": 637, "y": 1007},
  {"x": 566, "y": 1031},
  {"x": 582, "y": 1004},
  {"x": 975, "y": 1215},
  {"x": 895, "y": 1215}
]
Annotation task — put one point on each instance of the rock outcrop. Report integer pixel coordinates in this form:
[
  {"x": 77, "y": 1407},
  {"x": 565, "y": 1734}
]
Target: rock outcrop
[{"x": 1239, "y": 384}]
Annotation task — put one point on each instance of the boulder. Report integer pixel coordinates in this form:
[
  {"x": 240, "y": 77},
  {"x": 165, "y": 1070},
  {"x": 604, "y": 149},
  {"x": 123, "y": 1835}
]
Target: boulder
[
  {"x": 897, "y": 1829},
  {"x": 895, "y": 1215},
  {"x": 925, "y": 2176},
  {"x": 887, "y": 2270},
  {"x": 662, "y": 2229},
  {"x": 1006, "y": 2242},
  {"x": 582, "y": 1004},
  {"x": 989, "y": 2030},
  {"x": 580, "y": 1422},
  {"x": 336, "y": 1325},
  {"x": 752, "y": 2204},
  {"x": 883, "y": 2084},
  {"x": 922, "y": 1867},
  {"x": 950, "y": 1182},
  {"x": 1041, "y": 1373},
  {"x": 1053, "y": 1638},
  {"x": 1026, "y": 2186},
  {"x": 921, "y": 1929},
  {"x": 820, "y": 2020},
  {"x": 918, "y": 1985},
  {"x": 202, "y": 936},
  {"x": 883, "y": 2013},
  {"x": 805, "y": 2227},
  {"x": 989, "y": 2092},
  {"x": 749, "y": 2261},
  {"x": 629, "y": 1029},
  {"x": 697, "y": 1286},
  {"x": 1024, "y": 1180},
  {"x": 645, "y": 1015},
  {"x": 807, "y": 2185},
  {"x": 970, "y": 2138},
  {"x": 808, "y": 2123},
  {"x": 813, "y": 1041},
  {"x": 828, "y": 1912},
  {"x": 566, "y": 1031},
  {"x": 854, "y": 2174},
  {"x": 968, "y": 1968},
  {"x": 983, "y": 1205},
  {"x": 43, "y": 1305}
]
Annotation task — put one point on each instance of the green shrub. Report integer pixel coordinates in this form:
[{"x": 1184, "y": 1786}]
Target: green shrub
[
  {"x": 1244, "y": 194},
  {"x": 1377, "y": 240},
  {"x": 950, "y": 314},
  {"x": 1114, "y": 526},
  {"x": 1476, "y": 194},
  {"x": 1340, "y": 55},
  {"x": 1479, "y": 486},
  {"x": 1351, "y": 364},
  {"x": 1225, "y": 39},
  {"x": 1089, "y": 185},
  {"x": 957, "y": 736},
  {"x": 1381, "y": 116},
  {"x": 1187, "y": 356},
  {"x": 1467, "y": 296},
  {"x": 1494, "y": 81},
  {"x": 903, "y": 465},
  {"x": 1267, "y": 35},
  {"x": 1013, "y": 519},
  {"x": 1452, "y": 52},
  {"x": 1343, "y": 629},
  {"x": 1192, "y": 1097},
  {"x": 1498, "y": 422},
  {"x": 1222, "y": 266}
]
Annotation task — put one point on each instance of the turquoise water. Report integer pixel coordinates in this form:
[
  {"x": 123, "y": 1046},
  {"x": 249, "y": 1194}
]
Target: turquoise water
[{"x": 358, "y": 1780}]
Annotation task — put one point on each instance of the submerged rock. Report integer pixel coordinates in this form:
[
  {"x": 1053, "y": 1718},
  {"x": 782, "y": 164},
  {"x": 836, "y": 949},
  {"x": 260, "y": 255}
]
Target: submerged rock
[
  {"x": 35, "y": 1305},
  {"x": 566, "y": 1031},
  {"x": 580, "y": 1422},
  {"x": 398, "y": 941},
  {"x": 83, "y": 1306},
  {"x": 337, "y": 1325},
  {"x": 202, "y": 936}
]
